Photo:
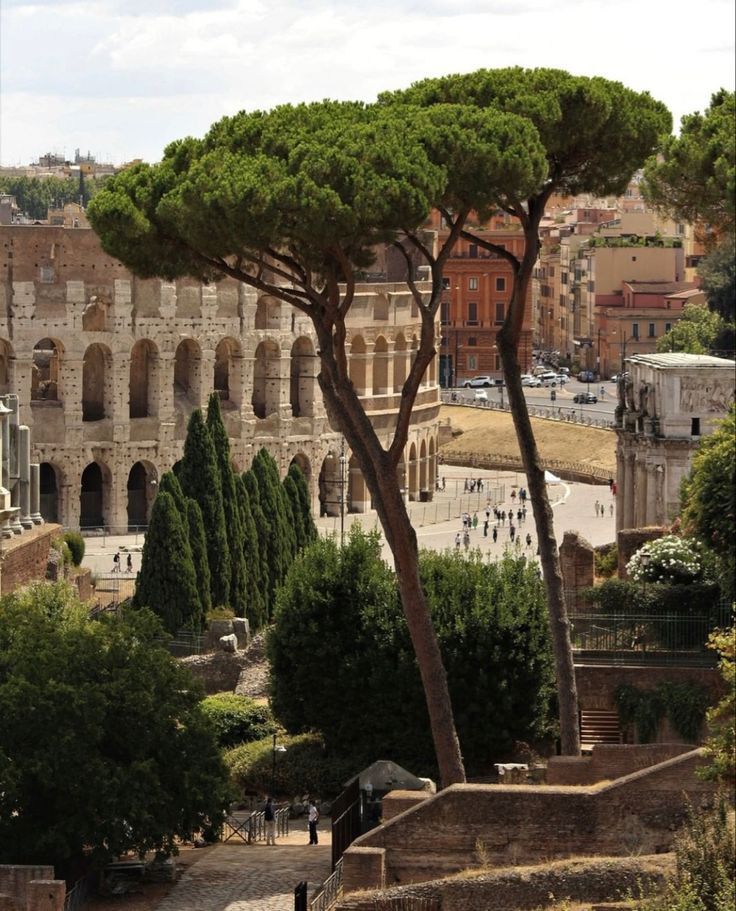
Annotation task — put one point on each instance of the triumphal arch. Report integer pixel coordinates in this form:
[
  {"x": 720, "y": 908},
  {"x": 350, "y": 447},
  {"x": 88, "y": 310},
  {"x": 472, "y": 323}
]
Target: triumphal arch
[{"x": 108, "y": 367}]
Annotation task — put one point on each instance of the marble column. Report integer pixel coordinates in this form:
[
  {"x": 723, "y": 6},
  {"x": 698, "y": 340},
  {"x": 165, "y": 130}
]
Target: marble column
[
  {"x": 24, "y": 472},
  {"x": 36, "y": 516}
]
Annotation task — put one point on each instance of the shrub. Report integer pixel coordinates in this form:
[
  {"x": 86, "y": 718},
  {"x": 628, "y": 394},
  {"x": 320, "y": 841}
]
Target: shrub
[
  {"x": 304, "y": 768},
  {"x": 682, "y": 702},
  {"x": 75, "y": 543},
  {"x": 220, "y": 613},
  {"x": 238, "y": 719},
  {"x": 669, "y": 560},
  {"x": 606, "y": 560}
]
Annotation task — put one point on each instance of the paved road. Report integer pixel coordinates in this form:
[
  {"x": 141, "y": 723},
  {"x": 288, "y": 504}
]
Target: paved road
[{"x": 230, "y": 877}]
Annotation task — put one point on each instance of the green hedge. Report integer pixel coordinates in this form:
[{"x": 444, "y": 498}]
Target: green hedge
[
  {"x": 75, "y": 543},
  {"x": 238, "y": 719},
  {"x": 304, "y": 768}
]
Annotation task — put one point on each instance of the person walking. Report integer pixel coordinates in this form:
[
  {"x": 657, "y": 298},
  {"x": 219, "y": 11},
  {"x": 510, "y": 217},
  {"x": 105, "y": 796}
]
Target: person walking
[
  {"x": 503, "y": 517},
  {"x": 597, "y": 507},
  {"x": 512, "y": 533},
  {"x": 518, "y": 516},
  {"x": 485, "y": 529},
  {"x": 269, "y": 816},
  {"x": 466, "y": 539},
  {"x": 458, "y": 540},
  {"x": 611, "y": 508},
  {"x": 116, "y": 563},
  {"x": 129, "y": 563},
  {"x": 528, "y": 539},
  {"x": 475, "y": 520},
  {"x": 313, "y": 819},
  {"x": 495, "y": 534}
]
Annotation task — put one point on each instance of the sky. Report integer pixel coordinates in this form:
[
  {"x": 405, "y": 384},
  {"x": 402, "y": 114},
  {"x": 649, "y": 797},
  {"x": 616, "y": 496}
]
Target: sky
[{"x": 122, "y": 78}]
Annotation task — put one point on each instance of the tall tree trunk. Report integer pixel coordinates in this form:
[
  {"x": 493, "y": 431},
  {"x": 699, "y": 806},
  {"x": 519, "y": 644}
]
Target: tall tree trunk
[
  {"x": 402, "y": 540},
  {"x": 508, "y": 345},
  {"x": 379, "y": 474}
]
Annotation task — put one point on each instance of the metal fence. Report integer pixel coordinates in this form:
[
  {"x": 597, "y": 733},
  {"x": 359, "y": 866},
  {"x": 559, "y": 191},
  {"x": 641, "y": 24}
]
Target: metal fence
[
  {"x": 345, "y": 820},
  {"x": 552, "y": 412},
  {"x": 330, "y": 891},
  {"x": 81, "y": 892},
  {"x": 643, "y": 638},
  {"x": 185, "y": 643},
  {"x": 252, "y": 827}
]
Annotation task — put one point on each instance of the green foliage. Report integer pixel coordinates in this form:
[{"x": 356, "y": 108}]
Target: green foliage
[
  {"x": 695, "y": 332},
  {"x": 262, "y": 531},
  {"x": 60, "y": 545},
  {"x": 721, "y": 744},
  {"x": 237, "y": 719},
  {"x": 670, "y": 560},
  {"x": 198, "y": 545},
  {"x": 717, "y": 273},
  {"x": 695, "y": 179},
  {"x": 305, "y": 768},
  {"x": 705, "y": 877},
  {"x": 75, "y": 542},
  {"x": 606, "y": 560},
  {"x": 340, "y": 608},
  {"x": 36, "y": 195},
  {"x": 200, "y": 479},
  {"x": 167, "y": 583},
  {"x": 281, "y": 538},
  {"x": 709, "y": 495},
  {"x": 255, "y": 578},
  {"x": 103, "y": 745},
  {"x": 305, "y": 505},
  {"x": 683, "y": 703},
  {"x": 169, "y": 483},
  {"x": 233, "y": 524}
]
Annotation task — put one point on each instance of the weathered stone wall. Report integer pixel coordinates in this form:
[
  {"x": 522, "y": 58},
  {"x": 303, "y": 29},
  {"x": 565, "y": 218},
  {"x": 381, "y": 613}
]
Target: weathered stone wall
[
  {"x": 30, "y": 888},
  {"x": 531, "y": 824},
  {"x": 577, "y": 562},
  {"x": 629, "y": 540},
  {"x": 25, "y": 557},
  {"x": 108, "y": 369},
  {"x": 598, "y": 683},
  {"x": 531, "y": 887},
  {"x": 609, "y": 761}
]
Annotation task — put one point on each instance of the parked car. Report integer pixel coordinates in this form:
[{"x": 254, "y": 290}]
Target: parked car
[
  {"x": 585, "y": 398},
  {"x": 533, "y": 381},
  {"x": 479, "y": 381},
  {"x": 550, "y": 379},
  {"x": 586, "y": 376}
]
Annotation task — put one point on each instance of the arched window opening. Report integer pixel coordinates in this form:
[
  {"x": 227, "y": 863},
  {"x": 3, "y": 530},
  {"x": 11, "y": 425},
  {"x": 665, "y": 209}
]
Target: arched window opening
[
  {"x": 48, "y": 492},
  {"x": 143, "y": 379},
  {"x": 96, "y": 383},
  {"x": 266, "y": 380},
  {"x": 91, "y": 497},
  {"x": 45, "y": 371},
  {"x": 302, "y": 384}
]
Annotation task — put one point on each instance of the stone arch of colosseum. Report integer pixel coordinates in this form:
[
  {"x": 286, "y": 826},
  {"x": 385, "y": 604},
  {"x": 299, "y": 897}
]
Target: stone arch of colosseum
[
  {"x": 141, "y": 492},
  {"x": 107, "y": 369}
]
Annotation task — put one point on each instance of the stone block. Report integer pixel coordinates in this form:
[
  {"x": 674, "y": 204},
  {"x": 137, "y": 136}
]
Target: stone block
[
  {"x": 363, "y": 868},
  {"x": 241, "y": 628},
  {"x": 46, "y": 895}
]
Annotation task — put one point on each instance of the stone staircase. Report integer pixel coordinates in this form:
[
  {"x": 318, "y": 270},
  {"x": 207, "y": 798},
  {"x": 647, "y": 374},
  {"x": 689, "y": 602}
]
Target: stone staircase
[{"x": 598, "y": 726}]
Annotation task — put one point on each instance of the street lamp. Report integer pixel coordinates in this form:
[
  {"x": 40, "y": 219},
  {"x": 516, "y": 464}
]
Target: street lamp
[{"x": 274, "y": 750}]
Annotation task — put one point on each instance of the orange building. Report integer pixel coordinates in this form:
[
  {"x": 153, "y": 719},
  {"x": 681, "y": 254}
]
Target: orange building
[{"x": 475, "y": 299}]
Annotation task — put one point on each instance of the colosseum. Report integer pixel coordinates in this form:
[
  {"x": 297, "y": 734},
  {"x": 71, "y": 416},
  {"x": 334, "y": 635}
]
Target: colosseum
[{"x": 108, "y": 367}]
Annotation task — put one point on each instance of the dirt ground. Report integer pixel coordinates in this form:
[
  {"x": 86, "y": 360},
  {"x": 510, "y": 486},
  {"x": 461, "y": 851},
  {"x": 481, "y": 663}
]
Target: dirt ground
[
  {"x": 492, "y": 432},
  {"x": 146, "y": 896}
]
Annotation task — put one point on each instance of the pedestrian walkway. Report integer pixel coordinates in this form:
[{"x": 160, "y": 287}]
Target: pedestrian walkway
[{"x": 239, "y": 877}]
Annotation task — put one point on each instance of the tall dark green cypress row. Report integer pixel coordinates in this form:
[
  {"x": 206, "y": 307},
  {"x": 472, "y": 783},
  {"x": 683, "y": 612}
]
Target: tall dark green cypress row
[
  {"x": 167, "y": 583},
  {"x": 200, "y": 480},
  {"x": 281, "y": 543},
  {"x": 169, "y": 483},
  {"x": 198, "y": 545},
  {"x": 263, "y": 531},
  {"x": 297, "y": 475},
  {"x": 256, "y": 578},
  {"x": 233, "y": 524},
  {"x": 295, "y": 512}
]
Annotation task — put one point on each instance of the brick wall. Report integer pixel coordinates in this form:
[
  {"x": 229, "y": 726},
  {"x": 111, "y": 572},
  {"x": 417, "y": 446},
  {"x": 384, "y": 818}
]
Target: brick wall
[
  {"x": 597, "y": 684},
  {"x": 531, "y": 824},
  {"x": 530, "y": 887},
  {"x": 26, "y": 887},
  {"x": 609, "y": 761},
  {"x": 577, "y": 563},
  {"x": 25, "y": 557}
]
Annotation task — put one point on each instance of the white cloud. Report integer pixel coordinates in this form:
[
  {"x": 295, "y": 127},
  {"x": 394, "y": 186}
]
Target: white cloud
[{"x": 124, "y": 77}]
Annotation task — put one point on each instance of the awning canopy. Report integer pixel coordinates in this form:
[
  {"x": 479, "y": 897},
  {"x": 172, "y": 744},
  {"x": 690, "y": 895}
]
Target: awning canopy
[{"x": 385, "y": 775}]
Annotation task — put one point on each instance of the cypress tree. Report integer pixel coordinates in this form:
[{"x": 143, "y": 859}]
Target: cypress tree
[
  {"x": 200, "y": 480},
  {"x": 256, "y": 577},
  {"x": 233, "y": 524},
  {"x": 297, "y": 475},
  {"x": 281, "y": 534},
  {"x": 169, "y": 483},
  {"x": 198, "y": 545},
  {"x": 295, "y": 512},
  {"x": 263, "y": 532},
  {"x": 167, "y": 583}
]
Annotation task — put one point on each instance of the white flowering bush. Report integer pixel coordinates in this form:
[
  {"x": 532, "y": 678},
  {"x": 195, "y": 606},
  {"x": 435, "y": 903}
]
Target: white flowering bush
[{"x": 669, "y": 560}]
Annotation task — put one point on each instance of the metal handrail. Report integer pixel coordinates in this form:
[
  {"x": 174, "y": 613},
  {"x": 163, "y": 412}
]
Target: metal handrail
[{"x": 330, "y": 891}]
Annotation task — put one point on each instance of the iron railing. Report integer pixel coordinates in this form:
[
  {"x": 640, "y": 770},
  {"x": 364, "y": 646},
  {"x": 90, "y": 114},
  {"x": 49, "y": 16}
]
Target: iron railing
[
  {"x": 300, "y": 896},
  {"x": 185, "y": 643},
  {"x": 645, "y": 639},
  {"x": 329, "y": 892},
  {"x": 345, "y": 815},
  {"x": 252, "y": 827},
  {"x": 81, "y": 892}
]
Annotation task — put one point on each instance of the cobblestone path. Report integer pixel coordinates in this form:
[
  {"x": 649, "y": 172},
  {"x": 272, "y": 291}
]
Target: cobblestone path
[{"x": 238, "y": 877}]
